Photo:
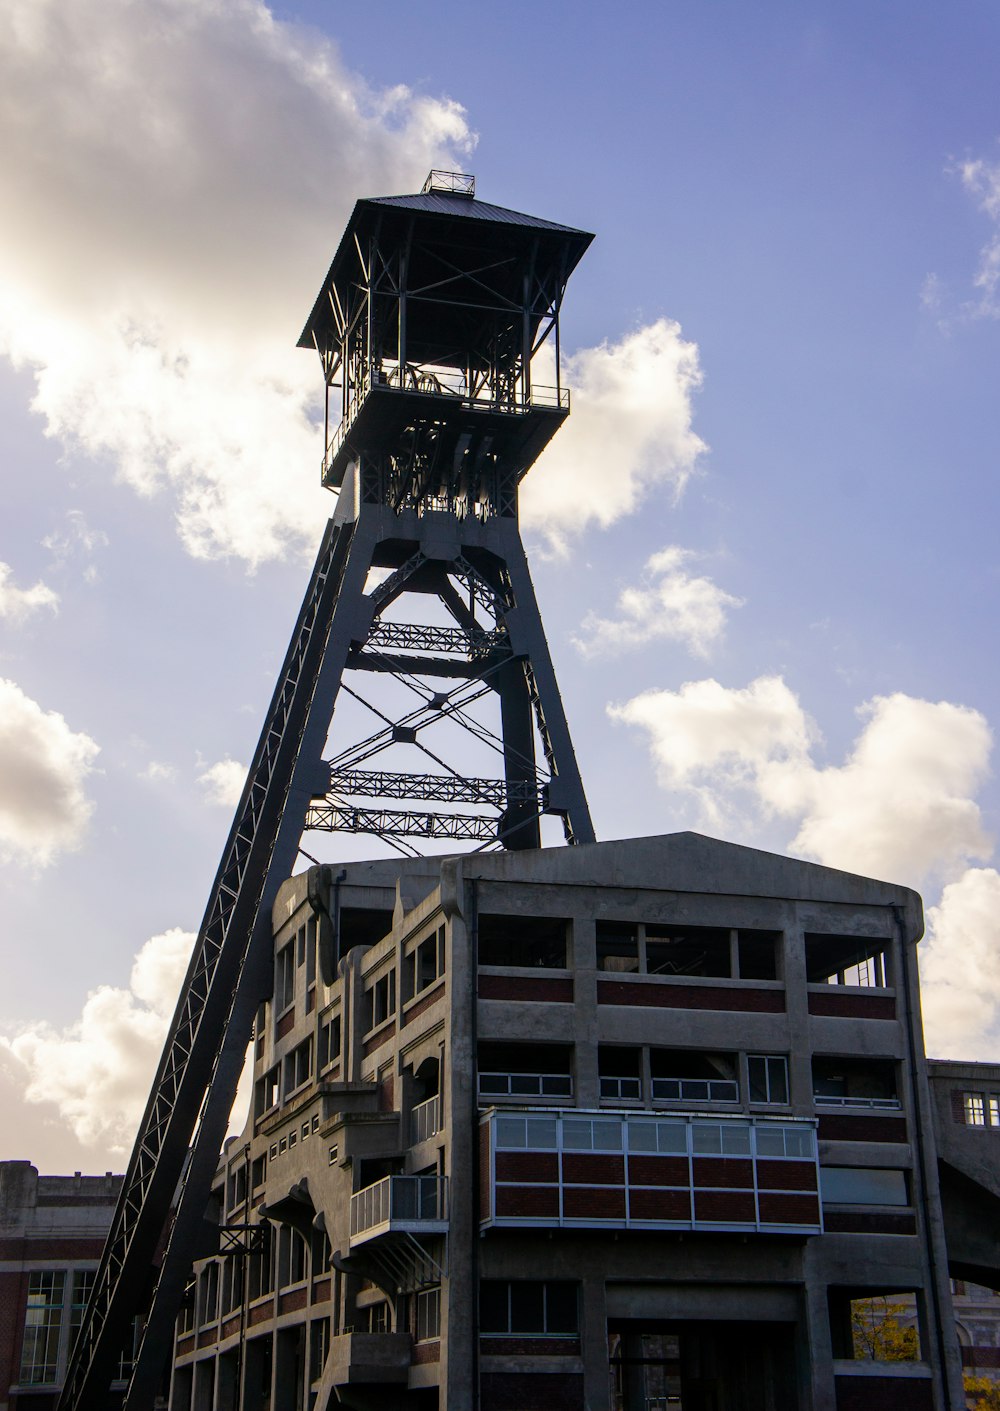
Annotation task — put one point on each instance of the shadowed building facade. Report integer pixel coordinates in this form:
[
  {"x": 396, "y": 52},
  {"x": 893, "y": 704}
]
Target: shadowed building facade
[{"x": 634, "y": 1125}]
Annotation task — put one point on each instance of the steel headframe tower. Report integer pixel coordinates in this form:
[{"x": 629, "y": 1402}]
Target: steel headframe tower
[{"x": 427, "y": 323}]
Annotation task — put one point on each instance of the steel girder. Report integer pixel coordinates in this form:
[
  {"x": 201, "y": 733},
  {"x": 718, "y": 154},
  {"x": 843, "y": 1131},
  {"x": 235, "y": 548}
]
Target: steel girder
[{"x": 231, "y": 970}]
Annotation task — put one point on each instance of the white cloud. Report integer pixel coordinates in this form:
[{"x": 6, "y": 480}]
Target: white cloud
[
  {"x": 672, "y": 605},
  {"x": 630, "y": 430},
  {"x": 96, "y": 1072},
  {"x": 44, "y": 766},
  {"x": 714, "y": 742},
  {"x": 960, "y": 969},
  {"x": 901, "y": 806},
  {"x": 158, "y": 773},
  {"x": 223, "y": 782},
  {"x": 17, "y": 604},
  {"x": 176, "y": 173},
  {"x": 981, "y": 180}
]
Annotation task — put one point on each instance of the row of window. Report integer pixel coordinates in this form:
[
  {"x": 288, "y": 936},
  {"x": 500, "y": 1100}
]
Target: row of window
[
  {"x": 634, "y": 1074},
  {"x": 423, "y": 964},
  {"x": 279, "y": 1257},
  {"x": 621, "y": 948},
  {"x": 624, "y": 947},
  {"x": 663, "y": 1135}
]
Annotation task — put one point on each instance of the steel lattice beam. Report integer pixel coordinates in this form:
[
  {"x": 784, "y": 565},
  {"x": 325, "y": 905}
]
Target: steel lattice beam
[
  {"x": 389, "y": 823},
  {"x": 432, "y": 788},
  {"x": 455, "y": 641}
]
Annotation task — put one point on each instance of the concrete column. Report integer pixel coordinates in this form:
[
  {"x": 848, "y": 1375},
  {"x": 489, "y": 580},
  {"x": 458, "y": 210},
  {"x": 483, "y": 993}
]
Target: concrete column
[
  {"x": 594, "y": 1340},
  {"x": 460, "y": 1291},
  {"x": 797, "y": 1006},
  {"x": 585, "y": 1027},
  {"x": 226, "y": 1390},
  {"x": 815, "y": 1377},
  {"x": 204, "y": 1385}
]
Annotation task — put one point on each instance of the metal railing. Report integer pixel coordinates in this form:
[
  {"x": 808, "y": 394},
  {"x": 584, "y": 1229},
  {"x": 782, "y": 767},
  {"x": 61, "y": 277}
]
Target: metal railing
[
  {"x": 882, "y": 1104},
  {"x": 456, "y": 183},
  {"x": 425, "y": 1119},
  {"x": 525, "y": 1085},
  {"x": 406, "y": 1199},
  {"x": 697, "y": 1089},
  {"x": 441, "y": 384},
  {"x": 621, "y": 1088}
]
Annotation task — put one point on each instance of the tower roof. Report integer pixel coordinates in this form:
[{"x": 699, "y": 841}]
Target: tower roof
[
  {"x": 453, "y": 203},
  {"x": 443, "y": 216}
]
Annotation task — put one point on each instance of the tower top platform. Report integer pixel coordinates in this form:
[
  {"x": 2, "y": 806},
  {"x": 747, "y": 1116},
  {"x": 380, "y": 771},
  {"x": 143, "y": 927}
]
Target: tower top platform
[{"x": 455, "y": 218}]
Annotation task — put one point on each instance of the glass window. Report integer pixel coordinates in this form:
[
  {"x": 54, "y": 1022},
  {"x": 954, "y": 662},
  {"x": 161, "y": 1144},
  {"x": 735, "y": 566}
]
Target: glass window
[
  {"x": 522, "y": 1132},
  {"x": 526, "y": 1307},
  {"x": 768, "y": 1073},
  {"x": 994, "y": 1102},
  {"x": 319, "y": 1346},
  {"x": 720, "y": 1139},
  {"x": 42, "y": 1321},
  {"x": 429, "y": 1313},
  {"x": 797, "y": 1142},
  {"x": 975, "y": 1111},
  {"x": 845, "y": 1185},
  {"x": 667, "y": 1138},
  {"x": 83, "y": 1283},
  {"x": 592, "y": 1134},
  {"x": 329, "y": 1040},
  {"x": 284, "y": 977}
]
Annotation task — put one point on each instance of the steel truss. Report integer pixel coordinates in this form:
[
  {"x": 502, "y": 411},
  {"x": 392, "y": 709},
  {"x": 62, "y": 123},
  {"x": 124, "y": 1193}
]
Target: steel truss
[
  {"x": 400, "y": 823},
  {"x": 429, "y": 481},
  {"x": 434, "y": 788}
]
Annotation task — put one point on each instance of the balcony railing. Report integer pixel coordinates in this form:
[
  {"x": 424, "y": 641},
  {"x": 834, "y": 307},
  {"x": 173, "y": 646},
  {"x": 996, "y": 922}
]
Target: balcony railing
[
  {"x": 425, "y": 1119},
  {"x": 525, "y": 1085},
  {"x": 880, "y": 1104},
  {"x": 441, "y": 384},
  {"x": 400, "y": 1202},
  {"x": 696, "y": 1089},
  {"x": 621, "y": 1088}
]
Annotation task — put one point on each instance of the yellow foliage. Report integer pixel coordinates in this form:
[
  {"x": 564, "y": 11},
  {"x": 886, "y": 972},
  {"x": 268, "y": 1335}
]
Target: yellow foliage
[
  {"x": 985, "y": 1390},
  {"x": 877, "y": 1333}
]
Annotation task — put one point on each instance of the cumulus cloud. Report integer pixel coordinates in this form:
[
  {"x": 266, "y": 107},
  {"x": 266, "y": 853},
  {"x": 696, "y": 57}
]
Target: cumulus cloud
[
  {"x": 223, "y": 782},
  {"x": 44, "y": 765},
  {"x": 981, "y": 180},
  {"x": 715, "y": 742},
  {"x": 96, "y": 1072},
  {"x": 671, "y": 605},
  {"x": 901, "y": 805},
  {"x": 630, "y": 431},
  {"x": 17, "y": 604},
  {"x": 175, "y": 174},
  {"x": 960, "y": 969}
]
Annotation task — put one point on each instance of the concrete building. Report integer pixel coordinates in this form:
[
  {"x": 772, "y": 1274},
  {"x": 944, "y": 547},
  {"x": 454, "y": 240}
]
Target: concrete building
[
  {"x": 966, "y": 1099},
  {"x": 52, "y": 1231},
  {"x": 637, "y": 1125}
]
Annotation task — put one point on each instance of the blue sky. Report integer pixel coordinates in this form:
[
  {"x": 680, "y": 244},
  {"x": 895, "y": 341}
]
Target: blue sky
[{"x": 784, "y": 347}]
